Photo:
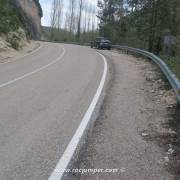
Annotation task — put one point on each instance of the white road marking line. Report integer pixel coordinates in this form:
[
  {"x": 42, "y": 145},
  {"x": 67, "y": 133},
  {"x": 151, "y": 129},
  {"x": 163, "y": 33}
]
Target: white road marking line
[
  {"x": 33, "y": 72},
  {"x": 70, "y": 150},
  {"x": 24, "y": 55}
]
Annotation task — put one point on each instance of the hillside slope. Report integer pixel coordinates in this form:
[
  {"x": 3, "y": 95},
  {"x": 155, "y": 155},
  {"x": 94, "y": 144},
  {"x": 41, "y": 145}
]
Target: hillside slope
[{"x": 16, "y": 25}]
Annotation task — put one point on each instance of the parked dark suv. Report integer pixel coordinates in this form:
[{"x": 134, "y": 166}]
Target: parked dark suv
[{"x": 101, "y": 43}]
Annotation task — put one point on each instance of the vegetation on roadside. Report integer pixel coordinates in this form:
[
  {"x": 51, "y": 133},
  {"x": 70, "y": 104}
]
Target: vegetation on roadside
[
  {"x": 9, "y": 17},
  {"x": 12, "y": 25},
  {"x": 173, "y": 63}
]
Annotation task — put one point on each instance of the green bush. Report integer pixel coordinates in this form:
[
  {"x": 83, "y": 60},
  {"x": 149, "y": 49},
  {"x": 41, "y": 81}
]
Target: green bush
[
  {"x": 14, "y": 40},
  {"x": 9, "y": 17},
  {"x": 17, "y": 38}
]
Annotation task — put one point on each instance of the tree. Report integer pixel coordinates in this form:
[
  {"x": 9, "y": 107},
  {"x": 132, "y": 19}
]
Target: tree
[
  {"x": 59, "y": 14},
  {"x": 108, "y": 15},
  {"x": 72, "y": 6},
  {"x": 86, "y": 6},
  {"x": 90, "y": 8},
  {"x": 79, "y": 20},
  {"x": 56, "y": 15}
]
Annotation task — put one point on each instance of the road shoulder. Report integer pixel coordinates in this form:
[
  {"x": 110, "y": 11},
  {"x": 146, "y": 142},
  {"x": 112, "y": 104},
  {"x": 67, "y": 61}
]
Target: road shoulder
[{"x": 132, "y": 116}]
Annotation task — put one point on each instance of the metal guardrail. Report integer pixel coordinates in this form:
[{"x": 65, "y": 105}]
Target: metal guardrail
[{"x": 173, "y": 80}]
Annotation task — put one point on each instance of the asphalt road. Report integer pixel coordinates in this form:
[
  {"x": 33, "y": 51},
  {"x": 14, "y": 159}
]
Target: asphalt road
[{"x": 43, "y": 98}]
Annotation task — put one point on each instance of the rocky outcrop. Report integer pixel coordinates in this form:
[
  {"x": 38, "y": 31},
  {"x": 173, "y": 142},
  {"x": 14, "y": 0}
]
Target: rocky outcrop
[
  {"x": 39, "y": 7},
  {"x": 31, "y": 13}
]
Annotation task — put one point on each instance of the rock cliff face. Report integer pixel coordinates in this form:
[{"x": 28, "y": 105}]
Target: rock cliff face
[{"x": 32, "y": 12}]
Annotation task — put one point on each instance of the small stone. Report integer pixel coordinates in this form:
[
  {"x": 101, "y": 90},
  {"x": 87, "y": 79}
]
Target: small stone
[
  {"x": 149, "y": 78},
  {"x": 161, "y": 92},
  {"x": 166, "y": 159},
  {"x": 152, "y": 91},
  {"x": 122, "y": 170},
  {"x": 170, "y": 151},
  {"x": 144, "y": 134},
  {"x": 171, "y": 132}
]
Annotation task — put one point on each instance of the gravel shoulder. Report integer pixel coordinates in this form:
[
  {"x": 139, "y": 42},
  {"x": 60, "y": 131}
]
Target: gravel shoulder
[
  {"x": 11, "y": 54},
  {"x": 127, "y": 135}
]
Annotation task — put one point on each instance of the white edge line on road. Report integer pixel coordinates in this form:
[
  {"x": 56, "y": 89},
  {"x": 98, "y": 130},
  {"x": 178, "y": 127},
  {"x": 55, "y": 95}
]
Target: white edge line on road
[
  {"x": 72, "y": 146},
  {"x": 28, "y": 54},
  {"x": 33, "y": 72}
]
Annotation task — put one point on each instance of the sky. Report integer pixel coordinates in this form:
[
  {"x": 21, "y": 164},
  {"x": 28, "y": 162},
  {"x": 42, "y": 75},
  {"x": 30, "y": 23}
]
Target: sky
[{"x": 46, "y": 6}]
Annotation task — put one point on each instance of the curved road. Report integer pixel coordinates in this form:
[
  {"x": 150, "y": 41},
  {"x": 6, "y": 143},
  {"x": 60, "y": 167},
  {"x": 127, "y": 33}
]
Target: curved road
[{"x": 43, "y": 98}]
